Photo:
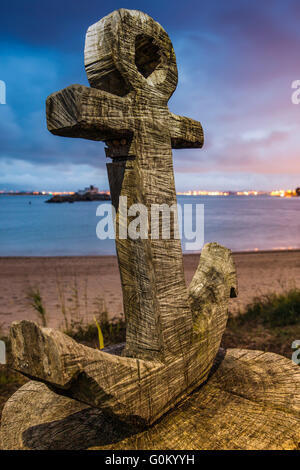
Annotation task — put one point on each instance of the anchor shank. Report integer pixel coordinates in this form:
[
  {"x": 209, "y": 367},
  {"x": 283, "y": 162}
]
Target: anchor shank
[{"x": 158, "y": 323}]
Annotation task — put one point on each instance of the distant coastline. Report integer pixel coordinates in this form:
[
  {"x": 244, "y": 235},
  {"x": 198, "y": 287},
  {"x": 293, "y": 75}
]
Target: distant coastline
[
  {"x": 78, "y": 198},
  {"x": 84, "y": 195}
]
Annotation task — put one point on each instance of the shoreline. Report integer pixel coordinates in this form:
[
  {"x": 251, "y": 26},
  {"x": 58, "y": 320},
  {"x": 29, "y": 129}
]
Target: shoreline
[
  {"x": 253, "y": 252},
  {"x": 85, "y": 284}
]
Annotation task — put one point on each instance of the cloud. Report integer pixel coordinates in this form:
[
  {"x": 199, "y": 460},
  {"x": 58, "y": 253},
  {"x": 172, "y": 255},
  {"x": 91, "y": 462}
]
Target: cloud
[{"x": 31, "y": 74}]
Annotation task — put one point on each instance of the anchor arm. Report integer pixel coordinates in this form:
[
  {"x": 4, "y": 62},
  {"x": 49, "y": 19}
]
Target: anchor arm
[
  {"x": 214, "y": 283},
  {"x": 112, "y": 383}
]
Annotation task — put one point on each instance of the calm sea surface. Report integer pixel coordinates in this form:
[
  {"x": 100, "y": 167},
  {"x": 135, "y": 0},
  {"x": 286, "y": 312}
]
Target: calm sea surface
[{"x": 240, "y": 223}]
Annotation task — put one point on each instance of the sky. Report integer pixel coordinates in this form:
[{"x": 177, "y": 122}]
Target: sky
[{"x": 236, "y": 62}]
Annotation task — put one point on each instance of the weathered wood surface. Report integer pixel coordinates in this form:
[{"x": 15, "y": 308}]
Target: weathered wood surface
[
  {"x": 251, "y": 401},
  {"x": 136, "y": 390},
  {"x": 86, "y": 113}
]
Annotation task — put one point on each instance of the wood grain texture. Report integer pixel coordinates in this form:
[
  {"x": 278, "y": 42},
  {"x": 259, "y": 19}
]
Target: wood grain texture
[
  {"x": 82, "y": 112},
  {"x": 251, "y": 401}
]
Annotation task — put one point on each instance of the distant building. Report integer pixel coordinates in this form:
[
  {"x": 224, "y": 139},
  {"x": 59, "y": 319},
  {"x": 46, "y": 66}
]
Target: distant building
[{"x": 91, "y": 190}]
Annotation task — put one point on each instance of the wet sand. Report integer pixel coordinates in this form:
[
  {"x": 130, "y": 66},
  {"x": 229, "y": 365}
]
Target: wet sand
[{"x": 83, "y": 286}]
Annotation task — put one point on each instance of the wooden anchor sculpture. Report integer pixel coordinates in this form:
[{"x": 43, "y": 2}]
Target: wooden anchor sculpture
[
  {"x": 81, "y": 397},
  {"x": 173, "y": 335}
]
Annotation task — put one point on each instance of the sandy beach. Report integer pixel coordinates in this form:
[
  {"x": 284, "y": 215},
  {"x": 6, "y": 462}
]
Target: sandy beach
[{"x": 83, "y": 286}]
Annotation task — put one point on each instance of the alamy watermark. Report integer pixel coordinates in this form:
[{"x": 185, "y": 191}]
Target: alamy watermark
[
  {"x": 296, "y": 354},
  {"x": 2, "y": 92},
  {"x": 296, "y": 94},
  {"x": 160, "y": 222},
  {"x": 2, "y": 353}
]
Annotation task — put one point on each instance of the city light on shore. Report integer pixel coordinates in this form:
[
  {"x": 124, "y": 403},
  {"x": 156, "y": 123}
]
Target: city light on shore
[
  {"x": 286, "y": 193},
  {"x": 203, "y": 193},
  {"x": 276, "y": 193}
]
